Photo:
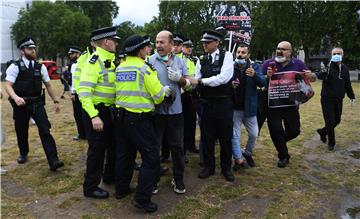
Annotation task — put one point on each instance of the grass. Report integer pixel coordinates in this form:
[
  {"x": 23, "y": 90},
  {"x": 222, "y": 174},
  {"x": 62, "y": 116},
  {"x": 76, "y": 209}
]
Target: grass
[{"x": 307, "y": 188}]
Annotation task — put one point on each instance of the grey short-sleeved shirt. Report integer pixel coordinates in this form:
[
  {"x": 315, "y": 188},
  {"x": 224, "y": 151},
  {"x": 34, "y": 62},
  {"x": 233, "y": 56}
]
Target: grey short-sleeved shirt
[{"x": 160, "y": 66}]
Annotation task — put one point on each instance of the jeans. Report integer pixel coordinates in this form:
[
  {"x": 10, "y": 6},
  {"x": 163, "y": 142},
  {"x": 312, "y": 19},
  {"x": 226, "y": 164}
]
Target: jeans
[{"x": 251, "y": 128}]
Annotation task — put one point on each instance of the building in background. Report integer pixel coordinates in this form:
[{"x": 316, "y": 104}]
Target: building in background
[{"x": 9, "y": 14}]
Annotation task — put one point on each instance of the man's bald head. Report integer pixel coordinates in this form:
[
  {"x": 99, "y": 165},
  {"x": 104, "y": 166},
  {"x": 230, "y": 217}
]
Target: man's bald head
[
  {"x": 164, "y": 42},
  {"x": 285, "y": 44},
  {"x": 283, "y": 52}
]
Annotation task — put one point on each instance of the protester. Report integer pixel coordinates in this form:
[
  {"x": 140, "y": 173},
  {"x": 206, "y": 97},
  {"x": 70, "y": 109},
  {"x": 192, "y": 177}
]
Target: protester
[
  {"x": 335, "y": 83},
  {"x": 289, "y": 116}
]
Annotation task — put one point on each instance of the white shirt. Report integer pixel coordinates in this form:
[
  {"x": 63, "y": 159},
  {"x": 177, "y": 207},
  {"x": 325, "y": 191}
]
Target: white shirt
[
  {"x": 226, "y": 72},
  {"x": 72, "y": 70},
  {"x": 13, "y": 70}
]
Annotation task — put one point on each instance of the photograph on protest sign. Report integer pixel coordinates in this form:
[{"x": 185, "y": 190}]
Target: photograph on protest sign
[
  {"x": 288, "y": 88},
  {"x": 235, "y": 17}
]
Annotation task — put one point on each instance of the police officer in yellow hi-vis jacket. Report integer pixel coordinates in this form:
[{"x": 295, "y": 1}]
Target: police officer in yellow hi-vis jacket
[
  {"x": 97, "y": 93},
  {"x": 138, "y": 90}
]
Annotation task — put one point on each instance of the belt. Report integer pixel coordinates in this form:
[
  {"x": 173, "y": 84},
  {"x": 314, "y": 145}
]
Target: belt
[{"x": 142, "y": 115}]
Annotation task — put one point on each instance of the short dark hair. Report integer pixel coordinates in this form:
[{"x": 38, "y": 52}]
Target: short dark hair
[{"x": 243, "y": 45}]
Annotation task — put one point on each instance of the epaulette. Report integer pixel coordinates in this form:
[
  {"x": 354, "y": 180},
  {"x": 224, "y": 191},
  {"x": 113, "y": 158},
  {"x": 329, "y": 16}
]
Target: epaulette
[
  {"x": 93, "y": 59},
  {"x": 84, "y": 52},
  {"x": 150, "y": 65}
]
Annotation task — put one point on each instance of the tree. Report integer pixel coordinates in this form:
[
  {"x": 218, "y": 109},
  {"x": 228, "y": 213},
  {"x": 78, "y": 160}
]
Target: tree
[
  {"x": 126, "y": 29},
  {"x": 54, "y": 26},
  {"x": 101, "y": 13}
]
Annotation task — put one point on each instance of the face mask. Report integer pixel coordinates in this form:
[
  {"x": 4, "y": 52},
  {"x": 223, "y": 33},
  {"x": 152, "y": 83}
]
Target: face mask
[
  {"x": 240, "y": 61},
  {"x": 336, "y": 58},
  {"x": 280, "y": 59},
  {"x": 165, "y": 58}
]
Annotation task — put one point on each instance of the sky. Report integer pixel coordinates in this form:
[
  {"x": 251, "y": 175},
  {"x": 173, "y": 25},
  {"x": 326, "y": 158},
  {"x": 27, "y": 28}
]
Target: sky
[{"x": 136, "y": 11}]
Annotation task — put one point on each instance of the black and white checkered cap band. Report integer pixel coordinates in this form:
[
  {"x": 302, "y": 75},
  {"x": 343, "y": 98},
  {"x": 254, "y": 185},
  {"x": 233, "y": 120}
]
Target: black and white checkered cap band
[
  {"x": 178, "y": 39},
  {"x": 71, "y": 50},
  {"x": 104, "y": 35},
  {"x": 132, "y": 48},
  {"x": 187, "y": 42},
  {"x": 207, "y": 36},
  {"x": 29, "y": 43}
]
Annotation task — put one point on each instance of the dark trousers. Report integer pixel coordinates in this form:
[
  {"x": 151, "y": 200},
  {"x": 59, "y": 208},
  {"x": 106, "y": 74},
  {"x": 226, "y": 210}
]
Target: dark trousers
[
  {"x": 37, "y": 111},
  {"x": 332, "y": 110},
  {"x": 262, "y": 109},
  {"x": 165, "y": 149},
  {"x": 217, "y": 123},
  {"x": 279, "y": 133},
  {"x": 174, "y": 126},
  {"x": 78, "y": 117},
  {"x": 189, "y": 112},
  {"x": 136, "y": 133},
  {"x": 99, "y": 144}
]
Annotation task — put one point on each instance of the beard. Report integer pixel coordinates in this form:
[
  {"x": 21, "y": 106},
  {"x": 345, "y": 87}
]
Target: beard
[{"x": 30, "y": 55}]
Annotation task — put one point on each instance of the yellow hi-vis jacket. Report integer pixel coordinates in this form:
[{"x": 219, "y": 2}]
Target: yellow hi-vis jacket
[
  {"x": 190, "y": 65},
  {"x": 138, "y": 88},
  {"x": 97, "y": 81},
  {"x": 80, "y": 62}
]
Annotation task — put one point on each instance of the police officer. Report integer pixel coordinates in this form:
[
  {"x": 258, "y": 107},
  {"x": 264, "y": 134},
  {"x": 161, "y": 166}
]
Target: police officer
[
  {"x": 214, "y": 71},
  {"x": 24, "y": 80},
  {"x": 137, "y": 91},
  {"x": 188, "y": 99},
  {"x": 97, "y": 93},
  {"x": 74, "y": 55}
]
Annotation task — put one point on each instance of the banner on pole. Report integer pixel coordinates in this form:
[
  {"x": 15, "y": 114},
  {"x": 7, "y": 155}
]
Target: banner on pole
[
  {"x": 288, "y": 88},
  {"x": 235, "y": 17}
]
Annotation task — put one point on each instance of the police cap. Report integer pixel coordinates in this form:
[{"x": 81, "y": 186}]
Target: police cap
[
  {"x": 188, "y": 42},
  {"x": 135, "y": 41},
  {"x": 27, "y": 42},
  {"x": 74, "y": 49},
  {"x": 211, "y": 35},
  {"x": 178, "y": 38},
  {"x": 105, "y": 32}
]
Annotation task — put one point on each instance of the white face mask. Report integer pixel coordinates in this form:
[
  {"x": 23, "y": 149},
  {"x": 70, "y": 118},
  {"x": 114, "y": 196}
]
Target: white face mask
[{"x": 280, "y": 59}]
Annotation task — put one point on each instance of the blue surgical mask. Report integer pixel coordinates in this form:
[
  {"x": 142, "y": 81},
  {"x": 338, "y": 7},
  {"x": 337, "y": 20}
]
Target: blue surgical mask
[
  {"x": 336, "y": 58},
  {"x": 240, "y": 61}
]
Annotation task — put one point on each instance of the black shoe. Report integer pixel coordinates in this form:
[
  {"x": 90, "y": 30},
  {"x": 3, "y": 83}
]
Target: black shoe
[
  {"x": 283, "y": 162},
  {"x": 249, "y": 159},
  {"x": 137, "y": 166},
  {"x": 205, "y": 173},
  {"x": 96, "y": 193},
  {"x": 163, "y": 170},
  {"x": 123, "y": 194},
  {"x": 56, "y": 164},
  {"x": 322, "y": 135},
  {"x": 331, "y": 147},
  {"x": 186, "y": 159},
  {"x": 179, "y": 186},
  {"x": 243, "y": 165},
  {"x": 22, "y": 159},
  {"x": 148, "y": 206},
  {"x": 229, "y": 176}
]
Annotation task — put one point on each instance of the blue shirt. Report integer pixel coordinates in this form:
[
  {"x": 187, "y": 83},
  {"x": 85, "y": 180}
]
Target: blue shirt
[{"x": 160, "y": 66}]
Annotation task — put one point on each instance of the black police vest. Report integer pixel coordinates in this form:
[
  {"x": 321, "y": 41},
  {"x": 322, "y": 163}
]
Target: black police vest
[
  {"x": 28, "y": 82},
  {"x": 208, "y": 70}
]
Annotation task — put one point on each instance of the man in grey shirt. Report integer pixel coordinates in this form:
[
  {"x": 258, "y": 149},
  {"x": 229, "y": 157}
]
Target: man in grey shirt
[{"x": 171, "y": 71}]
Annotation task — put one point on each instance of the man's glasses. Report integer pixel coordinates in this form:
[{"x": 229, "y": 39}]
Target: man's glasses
[
  {"x": 336, "y": 53},
  {"x": 282, "y": 49}
]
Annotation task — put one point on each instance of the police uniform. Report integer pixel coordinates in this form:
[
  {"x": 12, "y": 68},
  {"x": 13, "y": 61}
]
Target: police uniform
[
  {"x": 26, "y": 78},
  {"x": 75, "y": 75},
  {"x": 215, "y": 71},
  {"x": 97, "y": 93},
  {"x": 138, "y": 90}
]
